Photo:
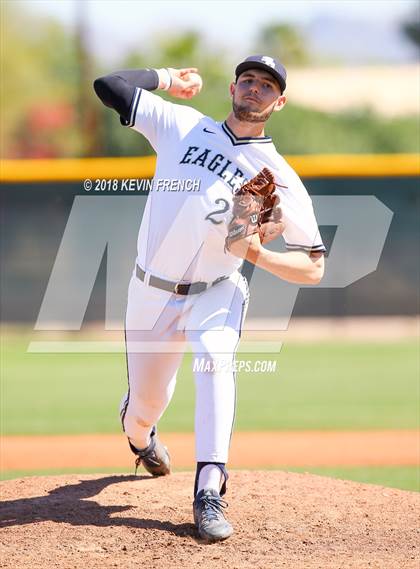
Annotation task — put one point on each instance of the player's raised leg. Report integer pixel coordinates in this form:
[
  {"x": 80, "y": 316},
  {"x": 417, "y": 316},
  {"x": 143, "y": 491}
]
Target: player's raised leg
[{"x": 154, "y": 353}]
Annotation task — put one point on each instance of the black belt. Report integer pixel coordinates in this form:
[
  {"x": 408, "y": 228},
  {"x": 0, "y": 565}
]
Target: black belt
[{"x": 176, "y": 288}]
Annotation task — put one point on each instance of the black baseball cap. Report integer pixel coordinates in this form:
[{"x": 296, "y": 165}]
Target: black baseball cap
[{"x": 269, "y": 64}]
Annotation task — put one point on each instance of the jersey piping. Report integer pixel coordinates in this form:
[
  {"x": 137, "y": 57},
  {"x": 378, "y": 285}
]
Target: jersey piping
[
  {"x": 237, "y": 141},
  {"x": 315, "y": 248},
  {"x": 133, "y": 112}
]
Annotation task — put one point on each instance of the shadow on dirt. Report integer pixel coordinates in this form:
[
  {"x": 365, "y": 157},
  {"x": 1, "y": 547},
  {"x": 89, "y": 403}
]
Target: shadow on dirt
[{"x": 69, "y": 504}]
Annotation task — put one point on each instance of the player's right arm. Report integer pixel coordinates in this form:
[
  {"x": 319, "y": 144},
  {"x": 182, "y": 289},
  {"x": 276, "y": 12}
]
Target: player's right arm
[
  {"x": 119, "y": 89},
  {"x": 161, "y": 122}
]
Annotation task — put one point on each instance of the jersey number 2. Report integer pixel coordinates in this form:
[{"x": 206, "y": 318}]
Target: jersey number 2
[{"x": 224, "y": 209}]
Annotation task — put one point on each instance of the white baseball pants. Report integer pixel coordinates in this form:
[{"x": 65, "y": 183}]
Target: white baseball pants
[{"x": 159, "y": 326}]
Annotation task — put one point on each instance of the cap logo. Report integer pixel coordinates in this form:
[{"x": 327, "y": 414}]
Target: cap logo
[{"x": 268, "y": 61}]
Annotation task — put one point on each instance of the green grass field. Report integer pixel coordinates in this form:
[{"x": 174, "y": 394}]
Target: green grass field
[
  {"x": 325, "y": 386},
  {"x": 318, "y": 386}
]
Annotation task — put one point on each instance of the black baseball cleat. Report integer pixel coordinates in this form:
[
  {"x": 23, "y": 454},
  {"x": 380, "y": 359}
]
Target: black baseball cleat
[
  {"x": 208, "y": 516},
  {"x": 155, "y": 458}
]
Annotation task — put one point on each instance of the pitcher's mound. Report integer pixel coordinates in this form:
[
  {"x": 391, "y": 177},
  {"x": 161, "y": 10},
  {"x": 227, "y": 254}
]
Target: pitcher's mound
[{"x": 280, "y": 520}]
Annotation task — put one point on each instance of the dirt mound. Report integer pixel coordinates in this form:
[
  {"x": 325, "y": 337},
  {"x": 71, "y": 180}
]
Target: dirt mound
[{"x": 280, "y": 520}]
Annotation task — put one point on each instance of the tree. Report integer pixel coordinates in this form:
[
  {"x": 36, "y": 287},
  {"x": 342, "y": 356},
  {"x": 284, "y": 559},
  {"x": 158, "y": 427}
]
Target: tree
[
  {"x": 283, "y": 42},
  {"x": 412, "y": 29},
  {"x": 39, "y": 72}
]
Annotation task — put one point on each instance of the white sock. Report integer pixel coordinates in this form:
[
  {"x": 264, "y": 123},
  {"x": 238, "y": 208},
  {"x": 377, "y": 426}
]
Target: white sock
[
  {"x": 210, "y": 477},
  {"x": 141, "y": 443}
]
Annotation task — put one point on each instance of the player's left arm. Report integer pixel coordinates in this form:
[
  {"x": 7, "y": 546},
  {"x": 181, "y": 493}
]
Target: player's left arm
[
  {"x": 299, "y": 267},
  {"x": 303, "y": 263}
]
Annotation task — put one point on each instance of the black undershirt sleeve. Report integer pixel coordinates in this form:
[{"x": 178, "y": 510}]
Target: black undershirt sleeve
[{"x": 117, "y": 89}]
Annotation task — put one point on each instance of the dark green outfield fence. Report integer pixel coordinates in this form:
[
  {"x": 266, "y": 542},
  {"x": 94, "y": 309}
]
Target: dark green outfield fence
[{"x": 34, "y": 217}]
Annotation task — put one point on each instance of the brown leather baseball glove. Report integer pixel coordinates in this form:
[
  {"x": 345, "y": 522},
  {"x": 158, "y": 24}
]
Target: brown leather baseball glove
[{"x": 256, "y": 209}]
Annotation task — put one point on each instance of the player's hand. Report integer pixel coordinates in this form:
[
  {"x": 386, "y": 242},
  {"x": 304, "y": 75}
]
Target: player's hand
[
  {"x": 183, "y": 86},
  {"x": 248, "y": 248}
]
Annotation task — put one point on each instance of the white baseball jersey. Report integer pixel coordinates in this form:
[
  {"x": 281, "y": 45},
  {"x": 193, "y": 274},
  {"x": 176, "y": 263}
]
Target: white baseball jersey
[{"x": 200, "y": 163}]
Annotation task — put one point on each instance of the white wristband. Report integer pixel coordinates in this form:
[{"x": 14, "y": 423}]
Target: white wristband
[{"x": 165, "y": 79}]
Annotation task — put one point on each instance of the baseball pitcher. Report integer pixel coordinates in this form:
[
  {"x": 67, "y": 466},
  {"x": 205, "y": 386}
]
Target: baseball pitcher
[{"x": 220, "y": 193}]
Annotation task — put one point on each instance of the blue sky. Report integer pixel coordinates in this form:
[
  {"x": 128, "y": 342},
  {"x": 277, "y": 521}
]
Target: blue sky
[{"x": 116, "y": 26}]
